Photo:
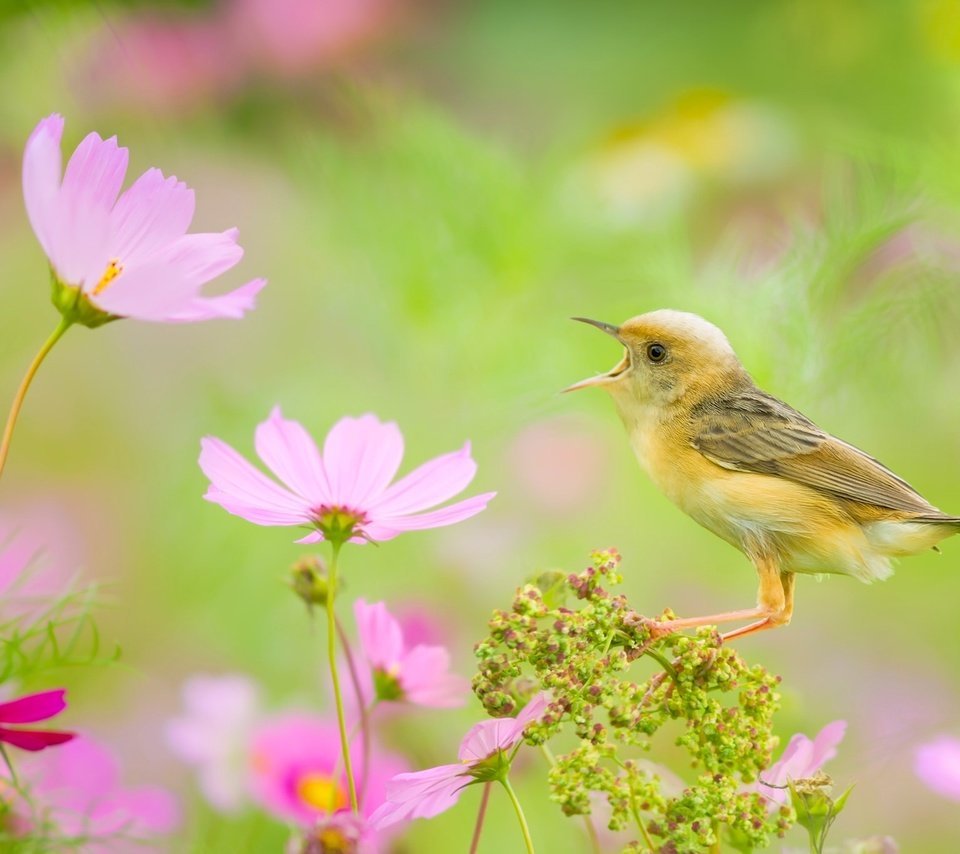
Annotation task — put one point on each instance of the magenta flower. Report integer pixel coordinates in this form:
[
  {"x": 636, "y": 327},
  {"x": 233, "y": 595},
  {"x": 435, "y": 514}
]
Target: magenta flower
[
  {"x": 483, "y": 757},
  {"x": 77, "y": 789},
  {"x": 129, "y": 256},
  {"x": 937, "y": 764},
  {"x": 400, "y": 672},
  {"x": 802, "y": 758},
  {"x": 28, "y": 710},
  {"x": 345, "y": 492},
  {"x": 297, "y": 773}
]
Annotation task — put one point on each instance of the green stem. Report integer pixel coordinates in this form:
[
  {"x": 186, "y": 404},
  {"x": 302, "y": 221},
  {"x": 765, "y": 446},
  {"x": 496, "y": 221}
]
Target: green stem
[
  {"x": 520, "y": 817},
  {"x": 18, "y": 398},
  {"x": 335, "y": 678},
  {"x": 9, "y": 764},
  {"x": 481, "y": 815},
  {"x": 364, "y": 710}
]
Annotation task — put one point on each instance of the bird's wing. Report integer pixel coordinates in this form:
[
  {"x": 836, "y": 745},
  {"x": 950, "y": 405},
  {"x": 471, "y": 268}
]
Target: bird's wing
[{"x": 752, "y": 431}]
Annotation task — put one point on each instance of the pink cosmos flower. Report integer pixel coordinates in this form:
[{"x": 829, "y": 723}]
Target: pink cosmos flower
[
  {"x": 129, "y": 256},
  {"x": 340, "y": 833},
  {"x": 294, "y": 37},
  {"x": 346, "y": 489},
  {"x": 77, "y": 789},
  {"x": 213, "y": 734},
  {"x": 424, "y": 794},
  {"x": 937, "y": 764},
  {"x": 399, "y": 671},
  {"x": 802, "y": 758},
  {"x": 297, "y": 773},
  {"x": 28, "y": 710}
]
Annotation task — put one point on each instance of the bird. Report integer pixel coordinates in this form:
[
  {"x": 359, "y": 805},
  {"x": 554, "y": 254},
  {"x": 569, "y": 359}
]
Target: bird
[{"x": 755, "y": 471}]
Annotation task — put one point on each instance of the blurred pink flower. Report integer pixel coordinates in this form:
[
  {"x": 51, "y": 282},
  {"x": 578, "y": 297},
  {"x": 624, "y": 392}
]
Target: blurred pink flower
[
  {"x": 421, "y": 624},
  {"x": 297, "y": 773},
  {"x": 32, "y": 575},
  {"x": 340, "y": 833},
  {"x": 31, "y": 709},
  {"x": 560, "y": 464},
  {"x": 292, "y": 37},
  {"x": 802, "y": 758},
  {"x": 128, "y": 256},
  {"x": 424, "y": 794},
  {"x": 77, "y": 789},
  {"x": 345, "y": 490},
  {"x": 937, "y": 764},
  {"x": 400, "y": 671},
  {"x": 162, "y": 63},
  {"x": 213, "y": 734}
]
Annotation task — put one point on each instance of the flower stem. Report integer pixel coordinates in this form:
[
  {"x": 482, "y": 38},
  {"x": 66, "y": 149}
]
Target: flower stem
[
  {"x": 334, "y": 677},
  {"x": 361, "y": 705},
  {"x": 17, "y": 404},
  {"x": 9, "y": 764},
  {"x": 481, "y": 815},
  {"x": 520, "y": 817}
]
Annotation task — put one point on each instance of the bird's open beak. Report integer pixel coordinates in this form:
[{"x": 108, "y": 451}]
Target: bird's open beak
[{"x": 622, "y": 366}]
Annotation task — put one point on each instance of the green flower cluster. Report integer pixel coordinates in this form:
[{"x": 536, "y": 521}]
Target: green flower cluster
[{"x": 591, "y": 658}]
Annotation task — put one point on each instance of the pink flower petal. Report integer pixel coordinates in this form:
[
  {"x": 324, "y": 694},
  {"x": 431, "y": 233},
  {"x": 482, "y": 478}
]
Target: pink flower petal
[
  {"x": 428, "y": 485},
  {"x": 422, "y": 794},
  {"x": 825, "y": 744},
  {"x": 33, "y": 707},
  {"x": 150, "y": 291},
  {"x": 449, "y": 515},
  {"x": 292, "y": 455},
  {"x": 150, "y": 215},
  {"x": 427, "y": 681},
  {"x": 34, "y": 740},
  {"x": 136, "y": 812},
  {"x": 233, "y": 305},
  {"x": 380, "y": 634},
  {"x": 310, "y": 539},
  {"x": 487, "y": 737},
  {"x": 937, "y": 764},
  {"x": 91, "y": 182},
  {"x": 41, "y": 179},
  {"x": 360, "y": 457},
  {"x": 239, "y": 487},
  {"x": 203, "y": 257}
]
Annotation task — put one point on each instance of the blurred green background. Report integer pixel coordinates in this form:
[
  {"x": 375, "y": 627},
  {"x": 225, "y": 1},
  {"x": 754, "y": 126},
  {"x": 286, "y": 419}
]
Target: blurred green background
[{"x": 432, "y": 195}]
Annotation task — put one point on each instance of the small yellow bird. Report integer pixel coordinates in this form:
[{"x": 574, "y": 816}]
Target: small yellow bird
[{"x": 755, "y": 471}]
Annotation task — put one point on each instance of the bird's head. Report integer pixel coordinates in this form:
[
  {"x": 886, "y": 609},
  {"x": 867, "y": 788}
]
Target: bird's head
[{"x": 668, "y": 355}]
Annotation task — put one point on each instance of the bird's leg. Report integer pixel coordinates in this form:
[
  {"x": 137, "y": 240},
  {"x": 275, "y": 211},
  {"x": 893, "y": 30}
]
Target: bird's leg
[
  {"x": 778, "y": 617},
  {"x": 774, "y": 606}
]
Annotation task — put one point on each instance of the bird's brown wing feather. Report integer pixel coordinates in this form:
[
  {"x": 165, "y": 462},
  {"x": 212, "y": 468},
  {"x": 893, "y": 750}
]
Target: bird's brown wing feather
[{"x": 752, "y": 431}]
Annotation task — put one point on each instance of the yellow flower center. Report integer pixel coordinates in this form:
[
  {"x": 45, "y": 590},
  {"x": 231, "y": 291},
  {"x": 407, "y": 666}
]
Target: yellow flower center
[
  {"x": 321, "y": 792},
  {"x": 114, "y": 269}
]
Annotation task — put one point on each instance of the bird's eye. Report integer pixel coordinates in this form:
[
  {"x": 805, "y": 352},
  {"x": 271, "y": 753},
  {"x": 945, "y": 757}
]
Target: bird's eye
[{"x": 656, "y": 352}]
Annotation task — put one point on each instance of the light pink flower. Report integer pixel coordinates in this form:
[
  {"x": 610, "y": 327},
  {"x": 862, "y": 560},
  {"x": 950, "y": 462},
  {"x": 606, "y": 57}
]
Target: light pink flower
[
  {"x": 346, "y": 487},
  {"x": 417, "y": 674},
  {"x": 801, "y": 758},
  {"x": 937, "y": 764},
  {"x": 33, "y": 575},
  {"x": 213, "y": 734},
  {"x": 28, "y": 710},
  {"x": 297, "y": 772},
  {"x": 424, "y": 794},
  {"x": 77, "y": 788},
  {"x": 129, "y": 256}
]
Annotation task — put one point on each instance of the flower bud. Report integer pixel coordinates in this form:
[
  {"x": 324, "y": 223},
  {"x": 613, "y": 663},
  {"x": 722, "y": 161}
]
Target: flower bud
[{"x": 308, "y": 579}]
